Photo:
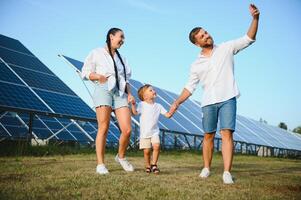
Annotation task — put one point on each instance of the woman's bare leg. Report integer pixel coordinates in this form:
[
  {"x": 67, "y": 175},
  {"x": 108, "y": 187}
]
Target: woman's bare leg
[
  {"x": 103, "y": 114},
  {"x": 123, "y": 116}
]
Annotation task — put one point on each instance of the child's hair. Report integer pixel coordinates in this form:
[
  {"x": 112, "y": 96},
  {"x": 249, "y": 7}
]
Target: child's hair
[{"x": 142, "y": 90}]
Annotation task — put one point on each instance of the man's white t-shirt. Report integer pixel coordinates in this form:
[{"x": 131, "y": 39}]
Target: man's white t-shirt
[{"x": 149, "y": 117}]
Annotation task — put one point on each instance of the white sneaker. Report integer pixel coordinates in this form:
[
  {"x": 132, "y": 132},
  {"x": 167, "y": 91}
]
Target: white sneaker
[
  {"x": 205, "y": 173},
  {"x": 101, "y": 169},
  {"x": 124, "y": 163},
  {"x": 227, "y": 178}
]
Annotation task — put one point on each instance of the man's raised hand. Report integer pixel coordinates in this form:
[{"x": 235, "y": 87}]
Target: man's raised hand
[{"x": 254, "y": 11}]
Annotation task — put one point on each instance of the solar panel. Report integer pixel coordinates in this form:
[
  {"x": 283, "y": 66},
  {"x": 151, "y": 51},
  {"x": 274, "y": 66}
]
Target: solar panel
[
  {"x": 19, "y": 96},
  {"x": 28, "y": 84},
  {"x": 15, "y": 58},
  {"x": 13, "y": 44},
  {"x": 74, "y": 63}
]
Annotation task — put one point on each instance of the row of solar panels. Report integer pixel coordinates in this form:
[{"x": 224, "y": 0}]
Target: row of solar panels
[{"x": 25, "y": 83}]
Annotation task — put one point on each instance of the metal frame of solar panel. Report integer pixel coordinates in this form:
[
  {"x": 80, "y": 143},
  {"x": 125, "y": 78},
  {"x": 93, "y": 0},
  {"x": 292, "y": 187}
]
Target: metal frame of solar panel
[
  {"x": 185, "y": 130},
  {"x": 31, "y": 93}
]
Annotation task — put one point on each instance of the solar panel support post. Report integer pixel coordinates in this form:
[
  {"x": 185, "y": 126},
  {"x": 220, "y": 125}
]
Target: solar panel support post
[
  {"x": 187, "y": 141},
  {"x": 30, "y": 125},
  {"x": 163, "y": 140},
  {"x": 135, "y": 136},
  {"x": 241, "y": 147},
  {"x": 199, "y": 147},
  {"x": 272, "y": 152},
  {"x": 194, "y": 142},
  {"x": 175, "y": 143}
]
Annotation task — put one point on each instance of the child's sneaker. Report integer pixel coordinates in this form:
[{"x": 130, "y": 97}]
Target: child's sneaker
[
  {"x": 205, "y": 173},
  {"x": 101, "y": 169},
  {"x": 227, "y": 178},
  {"x": 124, "y": 163}
]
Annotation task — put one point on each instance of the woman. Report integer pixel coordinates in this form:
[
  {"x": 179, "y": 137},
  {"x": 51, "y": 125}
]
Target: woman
[{"x": 110, "y": 73}]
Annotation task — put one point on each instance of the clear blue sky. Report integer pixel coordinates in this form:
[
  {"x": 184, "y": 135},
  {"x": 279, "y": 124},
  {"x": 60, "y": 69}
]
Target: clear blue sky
[{"x": 157, "y": 46}]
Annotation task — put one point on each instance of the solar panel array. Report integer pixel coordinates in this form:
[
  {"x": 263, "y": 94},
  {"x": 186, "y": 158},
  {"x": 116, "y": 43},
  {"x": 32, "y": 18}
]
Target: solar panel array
[
  {"x": 26, "y": 83},
  {"x": 188, "y": 120}
]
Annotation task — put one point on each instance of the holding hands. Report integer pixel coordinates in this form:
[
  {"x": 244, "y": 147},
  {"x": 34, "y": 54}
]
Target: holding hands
[
  {"x": 131, "y": 99},
  {"x": 173, "y": 108}
]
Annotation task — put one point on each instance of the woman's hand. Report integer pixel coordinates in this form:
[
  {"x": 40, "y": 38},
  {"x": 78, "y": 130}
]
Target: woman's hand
[
  {"x": 131, "y": 99},
  {"x": 102, "y": 79}
]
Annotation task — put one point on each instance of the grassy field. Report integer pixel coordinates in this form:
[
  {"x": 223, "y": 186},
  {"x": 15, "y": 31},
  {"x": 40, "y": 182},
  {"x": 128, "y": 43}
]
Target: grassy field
[{"x": 73, "y": 177}]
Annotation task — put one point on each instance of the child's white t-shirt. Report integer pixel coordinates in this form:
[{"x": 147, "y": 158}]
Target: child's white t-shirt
[{"x": 149, "y": 117}]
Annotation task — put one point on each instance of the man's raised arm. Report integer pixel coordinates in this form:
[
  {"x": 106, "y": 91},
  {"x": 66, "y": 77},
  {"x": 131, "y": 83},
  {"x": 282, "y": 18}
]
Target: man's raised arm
[{"x": 254, "y": 24}]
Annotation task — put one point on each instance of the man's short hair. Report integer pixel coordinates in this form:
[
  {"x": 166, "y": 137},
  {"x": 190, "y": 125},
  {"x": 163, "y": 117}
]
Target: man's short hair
[{"x": 192, "y": 34}]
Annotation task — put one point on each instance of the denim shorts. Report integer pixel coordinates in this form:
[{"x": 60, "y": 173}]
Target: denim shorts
[
  {"x": 103, "y": 97},
  {"x": 223, "y": 112}
]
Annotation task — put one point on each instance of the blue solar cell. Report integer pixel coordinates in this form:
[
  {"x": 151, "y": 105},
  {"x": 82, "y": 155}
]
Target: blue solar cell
[
  {"x": 3, "y": 133},
  {"x": 14, "y": 127},
  {"x": 71, "y": 105},
  {"x": 290, "y": 141},
  {"x": 52, "y": 124},
  {"x": 42, "y": 133},
  {"x": 65, "y": 135},
  {"x": 13, "y": 44},
  {"x": 43, "y": 81},
  {"x": 19, "y": 96},
  {"x": 135, "y": 84},
  {"x": 259, "y": 133},
  {"x": 77, "y": 64},
  {"x": 11, "y": 121},
  {"x": 17, "y": 132},
  {"x": 89, "y": 128},
  {"x": 79, "y": 135},
  {"x": 247, "y": 135},
  {"x": 280, "y": 140},
  {"x": 7, "y": 75},
  {"x": 26, "y": 61}
]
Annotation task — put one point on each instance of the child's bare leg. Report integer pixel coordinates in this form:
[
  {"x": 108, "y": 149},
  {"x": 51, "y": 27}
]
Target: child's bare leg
[
  {"x": 146, "y": 157},
  {"x": 156, "y": 151}
]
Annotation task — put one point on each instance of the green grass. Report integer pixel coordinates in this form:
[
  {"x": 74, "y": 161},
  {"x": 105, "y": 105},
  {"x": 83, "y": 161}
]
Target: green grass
[{"x": 73, "y": 177}]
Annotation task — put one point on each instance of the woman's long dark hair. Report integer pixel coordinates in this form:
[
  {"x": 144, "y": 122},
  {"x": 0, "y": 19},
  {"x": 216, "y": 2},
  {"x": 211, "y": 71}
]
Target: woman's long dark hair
[{"x": 113, "y": 31}]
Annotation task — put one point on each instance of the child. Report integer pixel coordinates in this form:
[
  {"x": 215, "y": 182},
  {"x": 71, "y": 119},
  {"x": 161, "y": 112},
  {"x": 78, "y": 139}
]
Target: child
[{"x": 149, "y": 131}]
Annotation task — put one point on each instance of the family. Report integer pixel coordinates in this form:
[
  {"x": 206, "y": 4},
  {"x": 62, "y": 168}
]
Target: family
[{"x": 213, "y": 68}]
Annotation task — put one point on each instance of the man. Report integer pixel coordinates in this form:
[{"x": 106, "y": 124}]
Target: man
[{"x": 214, "y": 68}]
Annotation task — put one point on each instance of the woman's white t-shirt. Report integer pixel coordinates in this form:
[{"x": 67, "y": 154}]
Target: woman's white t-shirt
[{"x": 149, "y": 117}]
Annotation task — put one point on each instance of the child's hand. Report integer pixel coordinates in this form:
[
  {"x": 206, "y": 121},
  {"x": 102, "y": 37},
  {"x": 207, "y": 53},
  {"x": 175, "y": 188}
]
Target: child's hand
[
  {"x": 131, "y": 99},
  {"x": 168, "y": 115},
  {"x": 173, "y": 108}
]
